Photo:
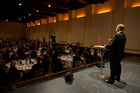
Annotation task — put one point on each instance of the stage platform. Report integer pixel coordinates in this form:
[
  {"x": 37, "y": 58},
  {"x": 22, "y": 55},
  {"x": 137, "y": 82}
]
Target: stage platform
[{"x": 85, "y": 81}]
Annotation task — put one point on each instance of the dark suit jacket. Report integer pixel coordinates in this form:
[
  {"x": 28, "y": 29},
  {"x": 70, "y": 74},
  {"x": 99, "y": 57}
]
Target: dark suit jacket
[{"x": 117, "y": 45}]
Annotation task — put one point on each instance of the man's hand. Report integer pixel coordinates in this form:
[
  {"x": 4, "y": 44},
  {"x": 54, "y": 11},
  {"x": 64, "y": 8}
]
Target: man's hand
[
  {"x": 104, "y": 46},
  {"x": 109, "y": 40}
]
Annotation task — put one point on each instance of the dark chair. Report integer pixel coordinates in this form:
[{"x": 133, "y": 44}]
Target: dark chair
[{"x": 39, "y": 72}]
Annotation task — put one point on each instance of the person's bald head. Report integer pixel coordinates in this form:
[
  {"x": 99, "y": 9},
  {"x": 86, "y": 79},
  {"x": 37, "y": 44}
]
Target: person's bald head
[{"x": 120, "y": 27}]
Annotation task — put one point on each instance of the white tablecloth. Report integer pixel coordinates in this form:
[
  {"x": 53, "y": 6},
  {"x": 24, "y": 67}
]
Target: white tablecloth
[{"x": 23, "y": 65}]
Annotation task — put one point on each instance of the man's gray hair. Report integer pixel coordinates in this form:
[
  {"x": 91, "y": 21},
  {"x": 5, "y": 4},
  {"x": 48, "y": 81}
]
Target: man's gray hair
[{"x": 121, "y": 26}]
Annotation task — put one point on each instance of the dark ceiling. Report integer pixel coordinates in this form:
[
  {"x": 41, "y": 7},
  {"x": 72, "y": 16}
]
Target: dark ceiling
[{"x": 30, "y": 10}]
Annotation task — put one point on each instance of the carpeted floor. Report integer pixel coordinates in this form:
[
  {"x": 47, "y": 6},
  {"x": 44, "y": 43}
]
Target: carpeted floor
[{"x": 86, "y": 81}]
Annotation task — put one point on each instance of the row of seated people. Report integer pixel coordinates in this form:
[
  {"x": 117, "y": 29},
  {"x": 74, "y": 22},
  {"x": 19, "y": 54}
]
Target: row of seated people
[{"x": 49, "y": 57}]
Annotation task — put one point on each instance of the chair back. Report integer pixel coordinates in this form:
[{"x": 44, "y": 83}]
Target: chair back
[
  {"x": 78, "y": 63},
  {"x": 39, "y": 72}
]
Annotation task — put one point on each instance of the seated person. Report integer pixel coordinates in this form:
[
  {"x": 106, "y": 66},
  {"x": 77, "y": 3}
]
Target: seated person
[
  {"x": 21, "y": 53},
  {"x": 35, "y": 68},
  {"x": 5, "y": 55},
  {"x": 3, "y": 70},
  {"x": 14, "y": 56},
  {"x": 58, "y": 65},
  {"x": 88, "y": 56},
  {"x": 12, "y": 74},
  {"x": 45, "y": 62},
  {"x": 54, "y": 59},
  {"x": 33, "y": 54}
]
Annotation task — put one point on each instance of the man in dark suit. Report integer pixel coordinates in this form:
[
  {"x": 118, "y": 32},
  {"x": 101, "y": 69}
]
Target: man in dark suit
[{"x": 116, "y": 48}]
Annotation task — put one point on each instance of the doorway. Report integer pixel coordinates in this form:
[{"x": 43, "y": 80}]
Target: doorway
[{"x": 52, "y": 37}]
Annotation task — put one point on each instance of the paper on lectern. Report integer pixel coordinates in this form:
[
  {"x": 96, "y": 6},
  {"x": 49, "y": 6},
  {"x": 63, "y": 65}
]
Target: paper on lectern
[{"x": 98, "y": 46}]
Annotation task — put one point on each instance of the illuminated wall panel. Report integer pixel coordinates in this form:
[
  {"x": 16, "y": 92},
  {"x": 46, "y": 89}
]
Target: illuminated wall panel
[
  {"x": 62, "y": 17},
  {"x": 52, "y": 19},
  {"x": 44, "y": 21},
  {"x": 37, "y": 22},
  {"x": 133, "y": 3},
  {"x": 28, "y": 24},
  {"x": 79, "y": 13},
  {"x": 66, "y": 16},
  {"x": 105, "y": 8},
  {"x": 32, "y": 23},
  {"x": 104, "y": 11}
]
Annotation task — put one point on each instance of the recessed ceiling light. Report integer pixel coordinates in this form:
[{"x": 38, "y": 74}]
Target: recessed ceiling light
[
  {"x": 6, "y": 20},
  {"x": 37, "y": 10},
  {"x": 19, "y": 19},
  {"x": 49, "y": 5},
  {"x": 20, "y": 4},
  {"x": 29, "y": 14}
]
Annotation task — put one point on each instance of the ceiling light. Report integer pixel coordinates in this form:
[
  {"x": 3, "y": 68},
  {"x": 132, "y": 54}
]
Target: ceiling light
[
  {"x": 20, "y": 4},
  {"x": 29, "y": 14},
  {"x": 24, "y": 17},
  {"x": 37, "y": 10},
  {"x": 49, "y": 5},
  {"x": 19, "y": 19},
  {"x": 6, "y": 20}
]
